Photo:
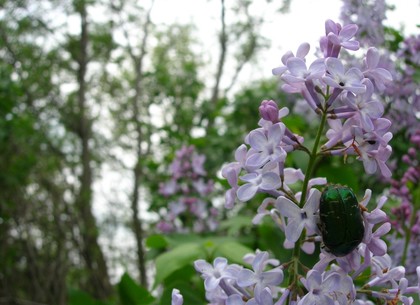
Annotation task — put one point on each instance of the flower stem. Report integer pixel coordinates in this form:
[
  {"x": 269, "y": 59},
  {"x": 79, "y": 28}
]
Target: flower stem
[{"x": 294, "y": 271}]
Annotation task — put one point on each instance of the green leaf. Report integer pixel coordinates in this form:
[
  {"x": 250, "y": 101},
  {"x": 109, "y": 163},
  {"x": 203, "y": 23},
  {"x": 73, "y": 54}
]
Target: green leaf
[
  {"x": 156, "y": 241},
  {"x": 233, "y": 251},
  {"x": 131, "y": 293},
  {"x": 234, "y": 224},
  {"x": 344, "y": 175},
  {"x": 171, "y": 261}
]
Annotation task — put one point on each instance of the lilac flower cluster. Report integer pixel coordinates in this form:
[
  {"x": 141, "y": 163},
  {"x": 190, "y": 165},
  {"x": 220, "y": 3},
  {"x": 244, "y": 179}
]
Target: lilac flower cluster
[
  {"x": 369, "y": 15},
  {"x": 401, "y": 97},
  {"x": 403, "y": 94},
  {"x": 186, "y": 210},
  {"x": 406, "y": 217},
  {"x": 342, "y": 98}
]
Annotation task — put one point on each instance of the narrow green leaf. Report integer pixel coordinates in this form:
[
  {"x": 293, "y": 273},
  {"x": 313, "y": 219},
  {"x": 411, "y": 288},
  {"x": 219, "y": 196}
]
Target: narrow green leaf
[
  {"x": 170, "y": 261},
  {"x": 156, "y": 241},
  {"x": 133, "y": 294},
  {"x": 233, "y": 251}
]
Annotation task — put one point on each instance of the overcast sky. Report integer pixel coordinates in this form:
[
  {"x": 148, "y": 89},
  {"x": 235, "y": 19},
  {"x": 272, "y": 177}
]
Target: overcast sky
[{"x": 304, "y": 23}]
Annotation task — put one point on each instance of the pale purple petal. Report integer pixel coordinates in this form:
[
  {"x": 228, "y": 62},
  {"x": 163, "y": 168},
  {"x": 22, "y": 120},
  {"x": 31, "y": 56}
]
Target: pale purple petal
[
  {"x": 246, "y": 192},
  {"x": 257, "y": 140},
  {"x": 270, "y": 181},
  {"x": 293, "y": 229},
  {"x": 246, "y": 278},
  {"x": 287, "y": 208},
  {"x": 303, "y": 50},
  {"x": 348, "y": 31},
  {"x": 177, "y": 298},
  {"x": 372, "y": 58}
]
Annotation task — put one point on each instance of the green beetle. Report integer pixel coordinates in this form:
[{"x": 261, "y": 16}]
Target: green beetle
[{"x": 341, "y": 222}]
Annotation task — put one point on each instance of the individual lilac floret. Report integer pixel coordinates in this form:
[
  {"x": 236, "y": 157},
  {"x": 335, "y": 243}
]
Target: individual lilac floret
[
  {"x": 268, "y": 147},
  {"x": 266, "y": 181},
  {"x": 299, "y": 73},
  {"x": 362, "y": 107},
  {"x": 302, "y": 51},
  {"x": 326, "y": 288},
  {"x": 337, "y": 37},
  {"x": 379, "y": 76},
  {"x": 263, "y": 298},
  {"x": 337, "y": 77},
  {"x": 259, "y": 278},
  {"x": 212, "y": 275},
  {"x": 298, "y": 218},
  {"x": 177, "y": 298}
]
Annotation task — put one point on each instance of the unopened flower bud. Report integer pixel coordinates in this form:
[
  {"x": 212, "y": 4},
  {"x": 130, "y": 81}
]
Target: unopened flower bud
[{"x": 269, "y": 111}]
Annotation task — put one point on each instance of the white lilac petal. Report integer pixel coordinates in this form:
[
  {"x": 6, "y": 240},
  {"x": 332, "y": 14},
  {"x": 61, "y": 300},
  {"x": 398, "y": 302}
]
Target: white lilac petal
[
  {"x": 369, "y": 165},
  {"x": 366, "y": 198},
  {"x": 211, "y": 283},
  {"x": 250, "y": 177},
  {"x": 287, "y": 207},
  {"x": 232, "y": 271},
  {"x": 385, "y": 171},
  {"x": 297, "y": 67},
  {"x": 377, "y": 216},
  {"x": 303, "y": 50},
  {"x": 258, "y": 263},
  {"x": 220, "y": 263},
  {"x": 270, "y": 181},
  {"x": 231, "y": 176},
  {"x": 235, "y": 299},
  {"x": 275, "y": 133},
  {"x": 312, "y": 204},
  {"x": 334, "y": 66},
  {"x": 381, "y": 74},
  {"x": 283, "y": 112},
  {"x": 351, "y": 45},
  {"x": 246, "y": 278},
  {"x": 377, "y": 246},
  {"x": 372, "y": 58},
  {"x": 203, "y": 267},
  {"x": 177, "y": 298},
  {"x": 348, "y": 31},
  {"x": 279, "y": 70},
  {"x": 293, "y": 229},
  {"x": 230, "y": 197},
  {"x": 264, "y": 297},
  {"x": 292, "y": 175},
  {"x": 273, "y": 277},
  {"x": 262, "y": 210},
  {"x": 317, "y": 181},
  {"x": 257, "y": 140},
  {"x": 240, "y": 153},
  {"x": 257, "y": 160},
  {"x": 308, "y": 247},
  {"x": 246, "y": 192},
  {"x": 293, "y": 80},
  {"x": 331, "y": 27}
]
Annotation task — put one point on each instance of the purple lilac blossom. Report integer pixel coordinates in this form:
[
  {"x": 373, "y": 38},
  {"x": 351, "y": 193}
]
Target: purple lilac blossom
[
  {"x": 345, "y": 95},
  {"x": 188, "y": 208},
  {"x": 369, "y": 16}
]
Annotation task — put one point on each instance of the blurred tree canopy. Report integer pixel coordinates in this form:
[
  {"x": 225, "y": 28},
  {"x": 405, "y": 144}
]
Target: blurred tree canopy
[{"x": 90, "y": 86}]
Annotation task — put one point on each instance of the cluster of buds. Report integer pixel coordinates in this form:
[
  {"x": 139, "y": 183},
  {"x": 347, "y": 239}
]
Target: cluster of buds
[{"x": 187, "y": 211}]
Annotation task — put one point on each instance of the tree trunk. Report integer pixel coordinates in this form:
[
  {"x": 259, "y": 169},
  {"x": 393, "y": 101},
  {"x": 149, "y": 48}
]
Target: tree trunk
[{"x": 98, "y": 278}]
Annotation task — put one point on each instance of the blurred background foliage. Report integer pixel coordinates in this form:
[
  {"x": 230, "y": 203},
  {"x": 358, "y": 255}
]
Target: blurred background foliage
[{"x": 117, "y": 96}]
